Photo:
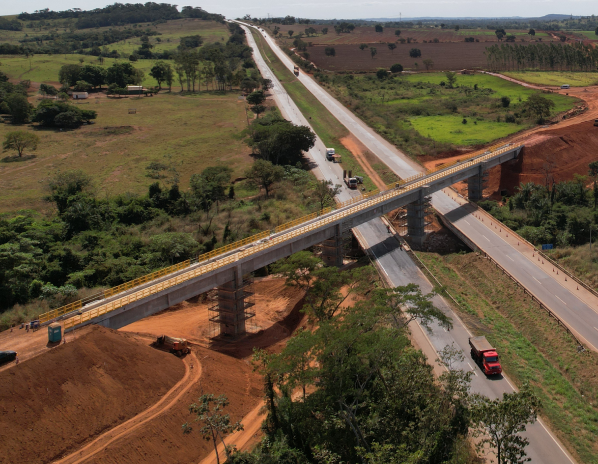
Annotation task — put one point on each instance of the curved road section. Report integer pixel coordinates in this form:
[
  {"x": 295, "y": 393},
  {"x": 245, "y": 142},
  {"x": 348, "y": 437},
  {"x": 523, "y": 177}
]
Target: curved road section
[{"x": 392, "y": 261}]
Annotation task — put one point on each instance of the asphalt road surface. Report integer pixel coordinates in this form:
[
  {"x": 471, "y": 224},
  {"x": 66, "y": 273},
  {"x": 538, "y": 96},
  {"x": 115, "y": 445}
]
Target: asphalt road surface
[{"x": 399, "y": 269}]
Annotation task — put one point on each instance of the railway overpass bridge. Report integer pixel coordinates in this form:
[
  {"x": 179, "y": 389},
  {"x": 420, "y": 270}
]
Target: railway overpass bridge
[{"x": 225, "y": 267}]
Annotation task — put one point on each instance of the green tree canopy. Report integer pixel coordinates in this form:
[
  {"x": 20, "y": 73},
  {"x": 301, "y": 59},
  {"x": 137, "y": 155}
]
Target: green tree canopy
[
  {"x": 20, "y": 141},
  {"x": 264, "y": 174}
]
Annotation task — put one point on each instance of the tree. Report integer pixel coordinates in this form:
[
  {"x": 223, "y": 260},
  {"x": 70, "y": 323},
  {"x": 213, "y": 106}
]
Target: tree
[
  {"x": 378, "y": 28},
  {"x": 46, "y": 89},
  {"x": 415, "y": 53},
  {"x": 505, "y": 101},
  {"x": 20, "y": 141},
  {"x": 373, "y": 52},
  {"x": 382, "y": 74},
  {"x": 264, "y": 174},
  {"x": 209, "y": 187},
  {"x": 539, "y": 106},
  {"x": 267, "y": 84},
  {"x": 290, "y": 33},
  {"x": 396, "y": 68},
  {"x": 397, "y": 32},
  {"x": 363, "y": 46},
  {"x": 95, "y": 75},
  {"x": 215, "y": 424},
  {"x": 451, "y": 78},
  {"x": 160, "y": 71},
  {"x": 392, "y": 46},
  {"x": 324, "y": 30},
  {"x": 20, "y": 108},
  {"x": 256, "y": 98},
  {"x": 324, "y": 192},
  {"x": 596, "y": 31},
  {"x": 123, "y": 74},
  {"x": 82, "y": 86},
  {"x": 69, "y": 74},
  {"x": 429, "y": 64},
  {"x": 532, "y": 32},
  {"x": 500, "y": 34},
  {"x": 330, "y": 51},
  {"x": 499, "y": 423}
]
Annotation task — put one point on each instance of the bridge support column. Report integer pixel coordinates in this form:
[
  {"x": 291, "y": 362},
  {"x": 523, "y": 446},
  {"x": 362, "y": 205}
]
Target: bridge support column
[
  {"x": 229, "y": 314},
  {"x": 332, "y": 249},
  {"x": 416, "y": 218},
  {"x": 476, "y": 184}
]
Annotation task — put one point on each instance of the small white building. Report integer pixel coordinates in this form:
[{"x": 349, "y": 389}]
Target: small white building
[
  {"x": 135, "y": 89},
  {"x": 79, "y": 95}
]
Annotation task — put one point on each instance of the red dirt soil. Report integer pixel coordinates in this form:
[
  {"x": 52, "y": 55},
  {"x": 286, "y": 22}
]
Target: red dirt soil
[
  {"x": 53, "y": 403},
  {"x": 560, "y": 153}
]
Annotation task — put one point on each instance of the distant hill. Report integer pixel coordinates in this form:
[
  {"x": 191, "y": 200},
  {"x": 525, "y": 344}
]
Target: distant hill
[{"x": 548, "y": 17}]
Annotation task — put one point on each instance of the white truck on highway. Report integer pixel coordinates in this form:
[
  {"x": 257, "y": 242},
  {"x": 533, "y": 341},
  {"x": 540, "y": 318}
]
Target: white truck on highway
[{"x": 330, "y": 154}]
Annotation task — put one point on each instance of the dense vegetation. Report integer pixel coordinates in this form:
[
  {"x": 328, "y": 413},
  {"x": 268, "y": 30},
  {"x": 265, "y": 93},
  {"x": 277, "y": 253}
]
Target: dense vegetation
[
  {"x": 560, "y": 213},
  {"x": 10, "y": 24},
  {"x": 351, "y": 388},
  {"x": 543, "y": 56},
  {"x": 120, "y": 14}
]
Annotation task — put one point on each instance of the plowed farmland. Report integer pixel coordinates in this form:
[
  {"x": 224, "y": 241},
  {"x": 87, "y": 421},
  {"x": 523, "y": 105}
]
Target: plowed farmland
[{"x": 446, "y": 57}]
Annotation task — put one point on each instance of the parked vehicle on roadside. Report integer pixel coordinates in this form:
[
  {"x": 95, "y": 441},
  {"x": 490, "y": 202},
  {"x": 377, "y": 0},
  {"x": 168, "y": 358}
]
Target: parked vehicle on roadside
[{"x": 485, "y": 355}]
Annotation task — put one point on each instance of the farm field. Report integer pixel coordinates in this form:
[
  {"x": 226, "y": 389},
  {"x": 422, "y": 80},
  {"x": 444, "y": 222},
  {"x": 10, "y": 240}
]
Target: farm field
[
  {"x": 587, "y": 34},
  {"x": 446, "y": 56},
  {"x": 363, "y": 34},
  {"x": 574, "y": 79},
  {"x": 196, "y": 131}
]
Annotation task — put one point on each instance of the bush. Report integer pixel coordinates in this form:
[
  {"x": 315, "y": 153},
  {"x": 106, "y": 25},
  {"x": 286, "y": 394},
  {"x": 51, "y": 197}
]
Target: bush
[
  {"x": 396, "y": 68},
  {"x": 505, "y": 101},
  {"x": 59, "y": 114},
  {"x": 415, "y": 53},
  {"x": 382, "y": 74}
]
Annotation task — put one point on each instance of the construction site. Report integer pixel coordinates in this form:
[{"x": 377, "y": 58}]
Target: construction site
[{"x": 98, "y": 395}]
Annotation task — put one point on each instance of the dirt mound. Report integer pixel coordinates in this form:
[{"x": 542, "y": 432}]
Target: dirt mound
[
  {"x": 161, "y": 440},
  {"x": 556, "y": 154},
  {"x": 54, "y": 402}
]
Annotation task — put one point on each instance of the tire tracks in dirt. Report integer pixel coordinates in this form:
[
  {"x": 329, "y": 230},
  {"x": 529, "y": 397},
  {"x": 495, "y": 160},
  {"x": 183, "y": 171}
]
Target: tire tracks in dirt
[{"x": 191, "y": 377}]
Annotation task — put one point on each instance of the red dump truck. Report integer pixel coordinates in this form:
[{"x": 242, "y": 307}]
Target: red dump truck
[
  {"x": 485, "y": 355},
  {"x": 177, "y": 346}
]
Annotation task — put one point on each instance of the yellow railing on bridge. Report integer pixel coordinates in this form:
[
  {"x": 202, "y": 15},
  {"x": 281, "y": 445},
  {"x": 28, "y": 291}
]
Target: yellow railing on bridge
[{"x": 259, "y": 244}]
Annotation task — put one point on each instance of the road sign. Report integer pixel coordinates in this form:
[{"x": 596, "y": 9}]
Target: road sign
[{"x": 547, "y": 246}]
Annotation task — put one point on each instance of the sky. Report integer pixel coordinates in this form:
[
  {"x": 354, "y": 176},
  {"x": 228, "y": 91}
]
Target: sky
[{"x": 344, "y": 9}]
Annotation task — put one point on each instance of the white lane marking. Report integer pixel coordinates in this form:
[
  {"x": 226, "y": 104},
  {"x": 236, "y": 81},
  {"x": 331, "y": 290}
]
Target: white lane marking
[
  {"x": 444, "y": 329},
  {"x": 537, "y": 280},
  {"x": 485, "y": 237},
  {"x": 561, "y": 300},
  {"x": 470, "y": 366},
  {"x": 467, "y": 222},
  {"x": 510, "y": 258}
]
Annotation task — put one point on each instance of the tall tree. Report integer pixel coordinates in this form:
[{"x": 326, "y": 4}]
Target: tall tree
[
  {"x": 160, "y": 72},
  {"x": 392, "y": 46},
  {"x": 264, "y": 174},
  {"x": 373, "y": 52}
]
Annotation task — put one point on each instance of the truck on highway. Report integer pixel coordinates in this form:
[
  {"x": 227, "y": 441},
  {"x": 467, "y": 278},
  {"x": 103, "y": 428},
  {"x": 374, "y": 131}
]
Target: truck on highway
[
  {"x": 485, "y": 355},
  {"x": 350, "y": 180},
  {"x": 177, "y": 346},
  {"x": 330, "y": 154},
  {"x": 296, "y": 70}
]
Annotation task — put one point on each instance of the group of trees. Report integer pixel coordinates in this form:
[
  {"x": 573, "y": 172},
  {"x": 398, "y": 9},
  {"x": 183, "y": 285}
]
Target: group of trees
[
  {"x": 120, "y": 14},
  {"x": 10, "y": 24},
  {"x": 351, "y": 388},
  {"x": 561, "y": 213},
  {"x": 543, "y": 56},
  {"x": 13, "y": 100}
]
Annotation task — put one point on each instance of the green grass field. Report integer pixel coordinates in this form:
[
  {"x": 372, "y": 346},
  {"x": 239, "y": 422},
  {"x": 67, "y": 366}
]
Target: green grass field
[
  {"x": 197, "y": 131},
  {"x": 450, "y": 129},
  {"x": 588, "y": 34},
  {"x": 574, "y": 79},
  {"x": 501, "y": 87}
]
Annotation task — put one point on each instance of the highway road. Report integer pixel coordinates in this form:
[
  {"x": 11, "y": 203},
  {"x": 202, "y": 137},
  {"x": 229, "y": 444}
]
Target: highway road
[
  {"x": 399, "y": 269},
  {"x": 577, "y": 308}
]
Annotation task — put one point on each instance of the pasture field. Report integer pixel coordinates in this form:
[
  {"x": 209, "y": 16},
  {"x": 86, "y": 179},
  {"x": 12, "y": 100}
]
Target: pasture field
[
  {"x": 171, "y": 31},
  {"x": 574, "y": 79},
  {"x": 588, "y": 34},
  {"x": 195, "y": 131}
]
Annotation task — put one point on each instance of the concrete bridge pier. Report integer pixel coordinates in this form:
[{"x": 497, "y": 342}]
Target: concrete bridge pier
[
  {"x": 477, "y": 183},
  {"x": 416, "y": 217},
  {"x": 230, "y": 311},
  {"x": 332, "y": 249}
]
